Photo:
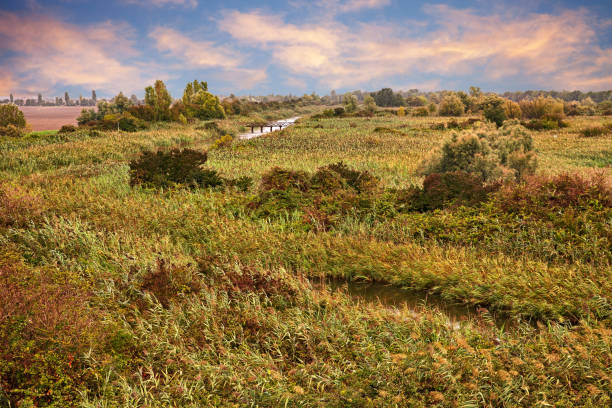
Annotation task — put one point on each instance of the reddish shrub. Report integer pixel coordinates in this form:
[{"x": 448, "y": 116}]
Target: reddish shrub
[
  {"x": 281, "y": 179},
  {"x": 168, "y": 282},
  {"x": 46, "y": 325},
  {"x": 18, "y": 206},
  {"x": 440, "y": 189},
  {"x": 541, "y": 194}
]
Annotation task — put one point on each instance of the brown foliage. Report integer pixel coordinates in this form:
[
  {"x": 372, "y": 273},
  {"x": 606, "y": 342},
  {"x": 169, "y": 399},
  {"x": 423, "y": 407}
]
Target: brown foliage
[{"x": 168, "y": 282}]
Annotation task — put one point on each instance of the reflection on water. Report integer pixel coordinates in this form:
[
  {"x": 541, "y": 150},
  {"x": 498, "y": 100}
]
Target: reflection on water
[{"x": 393, "y": 296}]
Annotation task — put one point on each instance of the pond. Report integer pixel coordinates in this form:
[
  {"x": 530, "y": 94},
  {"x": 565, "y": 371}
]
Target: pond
[{"x": 271, "y": 127}]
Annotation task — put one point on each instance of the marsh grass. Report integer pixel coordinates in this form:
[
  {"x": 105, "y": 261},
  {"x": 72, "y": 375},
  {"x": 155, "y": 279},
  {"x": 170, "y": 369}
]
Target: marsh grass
[{"x": 188, "y": 300}]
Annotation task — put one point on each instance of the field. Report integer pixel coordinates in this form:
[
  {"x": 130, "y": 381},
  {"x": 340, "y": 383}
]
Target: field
[
  {"x": 193, "y": 297},
  {"x": 50, "y": 117}
]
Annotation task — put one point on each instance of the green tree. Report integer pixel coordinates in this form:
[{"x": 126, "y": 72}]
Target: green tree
[
  {"x": 350, "y": 102},
  {"x": 121, "y": 103},
  {"x": 159, "y": 99},
  {"x": 11, "y": 115},
  {"x": 369, "y": 103},
  {"x": 494, "y": 110},
  {"x": 451, "y": 105},
  {"x": 201, "y": 104}
]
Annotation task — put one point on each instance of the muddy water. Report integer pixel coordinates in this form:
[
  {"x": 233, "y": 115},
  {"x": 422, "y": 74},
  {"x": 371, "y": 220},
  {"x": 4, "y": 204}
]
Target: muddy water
[
  {"x": 393, "y": 296},
  {"x": 258, "y": 130}
]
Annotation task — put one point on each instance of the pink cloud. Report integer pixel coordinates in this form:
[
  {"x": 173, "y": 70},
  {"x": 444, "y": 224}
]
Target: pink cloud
[
  {"x": 49, "y": 52},
  {"x": 559, "y": 50},
  {"x": 161, "y": 3}
]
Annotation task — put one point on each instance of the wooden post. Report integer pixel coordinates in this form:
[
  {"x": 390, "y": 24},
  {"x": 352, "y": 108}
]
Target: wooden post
[
  {"x": 252, "y": 129},
  {"x": 261, "y": 130}
]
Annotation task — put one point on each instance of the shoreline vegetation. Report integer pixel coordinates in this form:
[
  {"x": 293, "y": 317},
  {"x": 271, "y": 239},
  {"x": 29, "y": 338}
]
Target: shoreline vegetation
[{"x": 151, "y": 257}]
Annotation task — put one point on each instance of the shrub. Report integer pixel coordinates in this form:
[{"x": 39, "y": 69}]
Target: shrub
[
  {"x": 512, "y": 109},
  {"x": 440, "y": 189},
  {"x": 87, "y": 116},
  {"x": 176, "y": 167},
  {"x": 170, "y": 282},
  {"x": 281, "y": 179},
  {"x": 19, "y": 206},
  {"x": 11, "y": 131},
  {"x": 594, "y": 131},
  {"x": 539, "y": 194},
  {"x": 67, "y": 129},
  {"x": 401, "y": 112},
  {"x": 11, "y": 115},
  {"x": 490, "y": 154},
  {"x": 128, "y": 123},
  {"x": 142, "y": 112},
  {"x": 361, "y": 181},
  {"x": 541, "y": 124},
  {"x": 420, "y": 112},
  {"x": 46, "y": 325},
  {"x": 243, "y": 183},
  {"x": 542, "y": 108},
  {"x": 494, "y": 110},
  {"x": 223, "y": 141},
  {"x": 451, "y": 105}
]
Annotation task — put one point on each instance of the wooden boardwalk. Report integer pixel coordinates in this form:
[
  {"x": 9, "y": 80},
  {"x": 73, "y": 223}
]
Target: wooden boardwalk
[{"x": 280, "y": 125}]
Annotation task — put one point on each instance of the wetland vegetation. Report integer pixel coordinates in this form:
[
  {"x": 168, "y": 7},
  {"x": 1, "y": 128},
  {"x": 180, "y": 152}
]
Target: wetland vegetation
[{"x": 173, "y": 264}]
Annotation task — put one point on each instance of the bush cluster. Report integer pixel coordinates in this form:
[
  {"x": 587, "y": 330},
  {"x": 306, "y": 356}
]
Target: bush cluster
[
  {"x": 491, "y": 154},
  {"x": 451, "y": 105},
  {"x": 175, "y": 167},
  {"x": 179, "y": 168}
]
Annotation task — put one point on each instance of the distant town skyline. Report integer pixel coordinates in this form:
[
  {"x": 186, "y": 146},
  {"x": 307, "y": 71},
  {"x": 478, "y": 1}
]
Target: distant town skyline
[{"x": 274, "y": 47}]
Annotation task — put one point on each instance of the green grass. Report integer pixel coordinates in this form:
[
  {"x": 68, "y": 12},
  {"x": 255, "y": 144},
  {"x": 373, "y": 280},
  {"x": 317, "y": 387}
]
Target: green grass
[{"x": 230, "y": 318}]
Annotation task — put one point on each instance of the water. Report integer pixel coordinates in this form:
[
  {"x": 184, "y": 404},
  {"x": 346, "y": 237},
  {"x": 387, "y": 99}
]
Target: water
[
  {"x": 257, "y": 131},
  {"x": 393, "y": 296}
]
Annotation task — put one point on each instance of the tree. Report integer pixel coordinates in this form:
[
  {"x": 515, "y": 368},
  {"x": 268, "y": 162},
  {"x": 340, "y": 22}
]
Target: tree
[
  {"x": 489, "y": 154},
  {"x": 11, "y": 115},
  {"x": 350, "y": 102},
  {"x": 120, "y": 103},
  {"x": 370, "y": 104},
  {"x": 493, "y": 109},
  {"x": 201, "y": 104},
  {"x": 475, "y": 92},
  {"x": 159, "y": 99},
  {"x": 451, "y": 105},
  {"x": 385, "y": 97}
]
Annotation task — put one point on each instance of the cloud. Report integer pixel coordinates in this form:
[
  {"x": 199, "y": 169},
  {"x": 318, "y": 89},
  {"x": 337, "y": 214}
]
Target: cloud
[
  {"x": 198, "y": 54},
  {"x": 46, "y": 52},
  {"x": 205, "y": 54},
  {"x": 557, "y": 50},
  {"x": 348, "y": 6},
  {"x": 162, "y": 3}
]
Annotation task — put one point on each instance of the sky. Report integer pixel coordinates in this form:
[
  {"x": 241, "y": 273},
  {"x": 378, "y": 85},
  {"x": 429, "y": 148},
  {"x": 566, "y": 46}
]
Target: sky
[{"x": 299, "y": 46}]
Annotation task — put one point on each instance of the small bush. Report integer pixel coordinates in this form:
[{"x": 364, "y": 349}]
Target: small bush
[
  {"x": 594, "y": 131},
  {"x": 176, "y": 167},
  {"x": 361, "y": 181},
  {"x": 243, "y": 183},
  {"x": 169, "y": 282},
  {"x": 440, "y": 189},
  {"x": 11, "y": 131},
  {"x": 420, "y": 112},
  {"x": 451, "y": 105},
  {"x": 490, "y": 154},
  {"x": 18, "y": 206},
  {"x": 544, "y": 194},
  {"x": 11, "y": 115},
  {"x": 542, "y": 108},
  {"x": 67, "y": 129},
  {"x": 281, "y": 179},
  {"x": 541, "y": 124},
  {"x": 223, "y": 141}
]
